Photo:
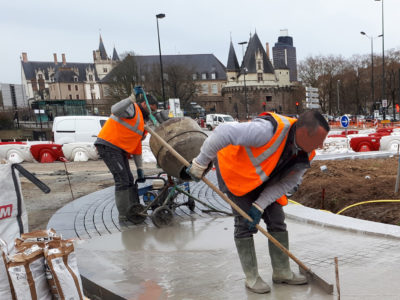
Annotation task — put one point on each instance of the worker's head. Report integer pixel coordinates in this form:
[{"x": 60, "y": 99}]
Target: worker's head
[
  {"x": 311, "y": 130},
  {"x": 152, "y": 102}
]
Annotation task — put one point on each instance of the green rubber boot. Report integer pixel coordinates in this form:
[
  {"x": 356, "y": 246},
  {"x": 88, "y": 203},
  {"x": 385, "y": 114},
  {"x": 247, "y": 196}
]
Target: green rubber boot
[
  {"x": 280, "y": 262},
  {"x": 248, "y": 259},
  {"x": 122, "y": 201},
  {"x": 133, "y": 195}
]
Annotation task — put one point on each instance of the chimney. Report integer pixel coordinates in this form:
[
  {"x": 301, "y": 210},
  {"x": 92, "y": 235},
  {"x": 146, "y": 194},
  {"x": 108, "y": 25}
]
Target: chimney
[
  {"x": 64, "y": 62},
  {"x": 24, "y": 57},
  {"x": 267, "y": 49},
  {"x": 55, "y": 58}
]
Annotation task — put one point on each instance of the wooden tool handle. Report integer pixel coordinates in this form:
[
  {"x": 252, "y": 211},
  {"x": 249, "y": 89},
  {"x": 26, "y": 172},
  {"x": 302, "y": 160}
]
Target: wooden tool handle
[{"x": 231, "y": 203}]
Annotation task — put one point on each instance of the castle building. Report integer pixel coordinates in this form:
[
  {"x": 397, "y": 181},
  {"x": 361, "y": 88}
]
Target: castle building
[{"x": 256, "y": 85}]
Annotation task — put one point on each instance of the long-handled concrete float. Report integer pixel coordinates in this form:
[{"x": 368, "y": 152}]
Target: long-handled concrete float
[{"x": 303, "y": 268}]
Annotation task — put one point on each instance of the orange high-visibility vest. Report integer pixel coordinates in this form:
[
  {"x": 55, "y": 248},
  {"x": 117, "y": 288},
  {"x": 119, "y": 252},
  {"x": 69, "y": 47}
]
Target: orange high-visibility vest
[
  {"x": 125, "y": 133},
  {"x": 243, "y": 169}
]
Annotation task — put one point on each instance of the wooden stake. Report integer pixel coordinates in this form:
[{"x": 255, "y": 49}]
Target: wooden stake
[{"x": 337, "y": 277}]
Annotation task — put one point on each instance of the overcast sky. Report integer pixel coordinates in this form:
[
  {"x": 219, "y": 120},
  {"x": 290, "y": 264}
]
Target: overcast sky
[{"x": 318, "y": 27}]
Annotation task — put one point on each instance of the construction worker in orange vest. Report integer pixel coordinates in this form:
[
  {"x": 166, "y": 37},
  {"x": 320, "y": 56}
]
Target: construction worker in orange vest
[
  {"x": 120, "y": 137},
  {"x": 257, "y": 164}
]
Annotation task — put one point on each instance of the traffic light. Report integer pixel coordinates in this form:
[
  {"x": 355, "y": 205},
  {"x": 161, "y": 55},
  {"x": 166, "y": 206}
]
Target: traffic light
[
  {"x": 397, "y": 108},
  {"x": 297, "y": 107}
]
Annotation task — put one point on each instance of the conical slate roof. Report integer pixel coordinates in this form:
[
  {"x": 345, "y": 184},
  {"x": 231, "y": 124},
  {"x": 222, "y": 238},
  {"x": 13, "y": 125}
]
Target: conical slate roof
[
  {"x": 233, "y": 64},
  {"x": 102, "y": 49},
  {"x": 115, "y": 55},
  {"x": 249, "y": 60}
]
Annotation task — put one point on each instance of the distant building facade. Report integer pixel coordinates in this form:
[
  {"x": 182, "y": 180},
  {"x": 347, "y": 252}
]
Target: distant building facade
[
  {"x": 12, "y": 96},
  {"x": 242, "y": 90},
  {"x": 67, "y": 84},
  {"x": 205, "y": 70},
  {"x": 284, "y": 54}
]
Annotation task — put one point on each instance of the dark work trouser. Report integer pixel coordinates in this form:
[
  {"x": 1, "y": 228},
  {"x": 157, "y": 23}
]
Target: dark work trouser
[
  {"x": 117, "y": 162},
  {"x": 273, "y": 216}
]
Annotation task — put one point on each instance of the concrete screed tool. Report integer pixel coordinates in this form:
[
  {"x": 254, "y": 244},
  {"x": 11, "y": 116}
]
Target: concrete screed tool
[{"x": 303, "y": 268}]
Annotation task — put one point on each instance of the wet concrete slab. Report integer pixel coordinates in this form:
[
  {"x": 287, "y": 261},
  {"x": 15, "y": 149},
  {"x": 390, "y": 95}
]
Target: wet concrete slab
[{"x": 197, "y": 259}]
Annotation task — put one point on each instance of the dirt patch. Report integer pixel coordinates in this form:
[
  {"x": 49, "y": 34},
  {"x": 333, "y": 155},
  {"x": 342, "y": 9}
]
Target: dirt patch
[{"x": 346, "y": 182}]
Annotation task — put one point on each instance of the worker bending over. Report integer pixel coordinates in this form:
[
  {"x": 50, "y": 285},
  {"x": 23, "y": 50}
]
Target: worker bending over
[{"x": 257, "y": 163}]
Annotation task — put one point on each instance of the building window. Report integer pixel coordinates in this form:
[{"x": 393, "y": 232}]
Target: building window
[
  {"x": 77, "y": 96},
  {"x": 76, "y": 87},
  {"x": 214, "y": 88},
  {"x": 70, "y": 97},
  {"x": 92, "y": 86},
  {"x": 75, "y": 78},
  {"x": 259, "y": 65},
  {"x": 213, "y": 76},
  {"x": 105, "y": 70},
  {"x": 204, "y": 76},
  {"x": 69, "y": 87},
  {"x": 204, "y": 88},
  {"x": 230, "y": 100},
  {"x": 40, "y": 76},
  {"x": 90, "y": 77},
  {"x": 259, "y": 77},
  {"x": 268, "y": 98},
  {"x": 194, "y": 76},
  {"x": 93, "y": 96}
]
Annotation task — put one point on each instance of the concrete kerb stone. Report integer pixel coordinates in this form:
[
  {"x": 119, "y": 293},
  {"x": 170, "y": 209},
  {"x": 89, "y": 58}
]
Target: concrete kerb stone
[{"x": 323, "y": 218}]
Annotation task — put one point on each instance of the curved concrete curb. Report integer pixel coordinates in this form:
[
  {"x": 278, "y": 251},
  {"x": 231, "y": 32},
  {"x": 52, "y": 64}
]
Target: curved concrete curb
[{"x": 324, "y": 218}]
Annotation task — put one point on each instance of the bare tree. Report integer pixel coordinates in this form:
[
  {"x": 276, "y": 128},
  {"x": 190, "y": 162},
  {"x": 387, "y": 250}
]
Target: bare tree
[
  {"x": 121, "y": 80},
  {"x": 178, "y": 82}
]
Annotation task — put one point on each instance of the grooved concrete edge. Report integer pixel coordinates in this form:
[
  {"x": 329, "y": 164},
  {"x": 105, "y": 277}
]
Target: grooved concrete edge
[{"x": 324, "y": 218}]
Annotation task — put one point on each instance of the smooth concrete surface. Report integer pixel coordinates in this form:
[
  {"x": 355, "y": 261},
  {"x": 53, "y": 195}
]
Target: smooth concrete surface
[{"x": 197, "y": 259}]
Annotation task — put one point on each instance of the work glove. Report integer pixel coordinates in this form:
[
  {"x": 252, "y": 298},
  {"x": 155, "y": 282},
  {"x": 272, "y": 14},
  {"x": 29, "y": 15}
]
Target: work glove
[
  {"x": 255, "y": 213},
  {"x": 140, "y": 175},
  {"x": 138, "y": 90},
  {"x": 196, "y": 171}
]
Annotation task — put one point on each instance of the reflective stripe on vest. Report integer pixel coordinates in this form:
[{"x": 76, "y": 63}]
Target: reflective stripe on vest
[
  {"x": 125, "y": 133},
  {"x": 256, "y": 161},
  {"x": 127, "y": 125}
]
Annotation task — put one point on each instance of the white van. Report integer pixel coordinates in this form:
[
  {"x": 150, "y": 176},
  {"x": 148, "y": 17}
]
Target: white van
[
  {"x": 213, "y": 120},
  {"x": 73, "y": 129}
]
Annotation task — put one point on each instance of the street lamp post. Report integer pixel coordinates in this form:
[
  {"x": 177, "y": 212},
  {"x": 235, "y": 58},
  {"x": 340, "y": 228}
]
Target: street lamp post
[
  {"x": 383, "y": 64},
  {"x": 372, "y": 64},
  {"x": 244, "y": 81},
  {"x": 160, "y": 16},
  {"x": 337, "y": 85}
]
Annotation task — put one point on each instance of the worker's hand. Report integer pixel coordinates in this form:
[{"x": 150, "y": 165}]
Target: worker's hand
[
  {"x": 255, "y": 213},
  {"x": 140, "y": 175},
  {"x": 196, "y": 171},
  {"x": 138, "y": 90}
]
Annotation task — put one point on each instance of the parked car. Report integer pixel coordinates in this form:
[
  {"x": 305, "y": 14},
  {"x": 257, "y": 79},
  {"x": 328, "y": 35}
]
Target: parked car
[
  {"x": 73, "y": 129},
  {"x": 213, "y": 120}
]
